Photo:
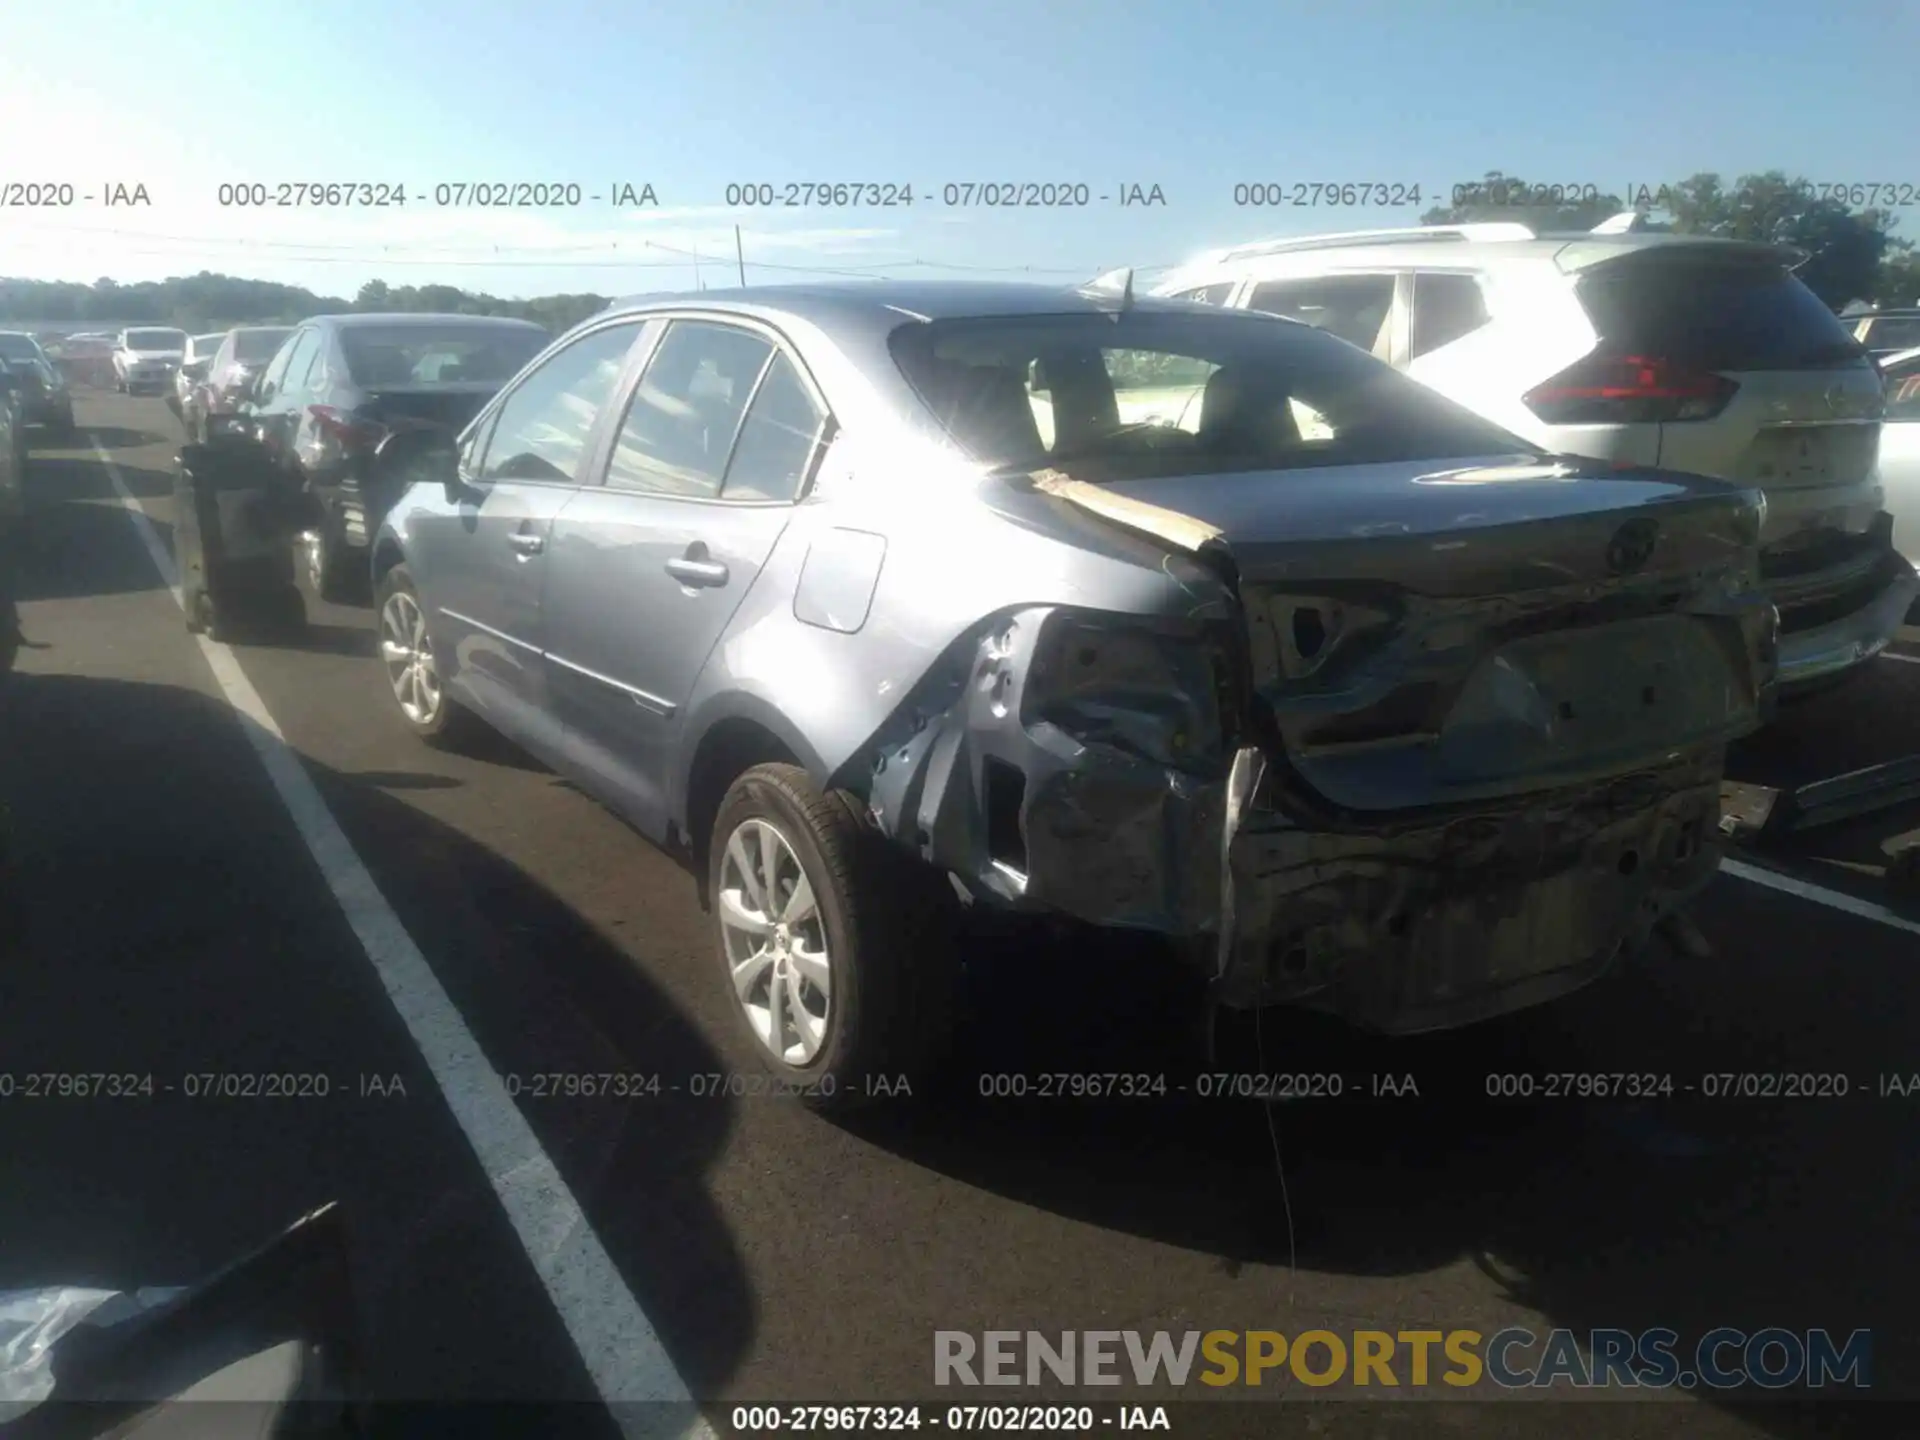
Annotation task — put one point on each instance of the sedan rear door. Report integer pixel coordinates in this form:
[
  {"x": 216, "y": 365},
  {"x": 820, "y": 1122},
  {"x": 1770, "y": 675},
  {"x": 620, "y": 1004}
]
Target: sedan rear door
[{"x": 718, "y": 439}]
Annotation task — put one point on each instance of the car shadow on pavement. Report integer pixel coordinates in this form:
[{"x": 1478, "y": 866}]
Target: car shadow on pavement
[
  {"x": 80, "y": 545},
  {"x": 168, "y": 920},
  {"x": 1676, "y": 1212}
]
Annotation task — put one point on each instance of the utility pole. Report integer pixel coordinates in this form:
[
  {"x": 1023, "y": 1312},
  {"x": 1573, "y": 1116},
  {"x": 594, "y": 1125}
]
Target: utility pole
[
  {"x": 740, "y": 257},
  {"x": 698, "y": 283}
]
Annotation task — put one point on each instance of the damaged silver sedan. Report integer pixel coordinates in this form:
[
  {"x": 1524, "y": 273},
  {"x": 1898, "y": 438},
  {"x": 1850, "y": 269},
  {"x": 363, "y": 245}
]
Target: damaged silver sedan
[{"x": 872, "y": 597}]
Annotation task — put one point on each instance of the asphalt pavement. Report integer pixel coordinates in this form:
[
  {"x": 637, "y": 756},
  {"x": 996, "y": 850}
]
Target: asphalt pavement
[{"x": 235, "y": 862}]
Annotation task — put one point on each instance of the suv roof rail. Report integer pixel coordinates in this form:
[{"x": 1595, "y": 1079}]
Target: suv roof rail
[{"x": 1485, "y": 230}]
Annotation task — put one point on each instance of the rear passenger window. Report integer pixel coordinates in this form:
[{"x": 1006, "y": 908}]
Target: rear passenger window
[
  {"x": 1354, "y": 307},
  {"x": 544, "y": 424},
  {"x": 680, "y": 427},
  {"x": 1445, "y": 307},
  {"x": 777, "y": 442}
]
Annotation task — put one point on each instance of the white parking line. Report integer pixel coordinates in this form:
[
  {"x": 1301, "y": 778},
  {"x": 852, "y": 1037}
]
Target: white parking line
[
  {"x": 1820, "y": 895},
  {"x": 1905, "y": 659},
  {"x": 616, "y": 1341}
]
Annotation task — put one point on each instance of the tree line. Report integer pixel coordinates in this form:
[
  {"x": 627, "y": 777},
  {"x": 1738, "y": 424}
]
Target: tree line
[
  {"x": 206, "y": 302},
  {"x": 1855, "y": 257}
]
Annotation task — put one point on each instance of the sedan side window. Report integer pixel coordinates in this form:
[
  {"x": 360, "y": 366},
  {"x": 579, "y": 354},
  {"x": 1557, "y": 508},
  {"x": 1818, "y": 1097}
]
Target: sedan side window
[
  {"x": 1354, "y": 307},
  {"x": 680, "y": 426},
  {"x": 276, "y": 370},
  {"x": 778, "y": 440},
  {"x": 1208, "y": 294},
  {"x": 543, "y": 426}
]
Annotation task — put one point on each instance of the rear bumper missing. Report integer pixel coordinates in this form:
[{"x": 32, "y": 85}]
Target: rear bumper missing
[
  {"x": 1400, "y": 922},
  {"x": 1455, "y": 919}
]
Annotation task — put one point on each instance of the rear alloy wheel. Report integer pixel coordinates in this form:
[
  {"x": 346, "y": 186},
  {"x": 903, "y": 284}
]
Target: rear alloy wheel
[
  {"x": 836, "y": 944},
  {"x": 413, "y": 675}
]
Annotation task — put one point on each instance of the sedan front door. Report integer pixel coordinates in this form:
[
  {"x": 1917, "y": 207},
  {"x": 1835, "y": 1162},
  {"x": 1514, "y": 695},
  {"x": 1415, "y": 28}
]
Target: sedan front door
[
  {"x": 483, "y": 563},
  {"x": 717, "y": 441}
]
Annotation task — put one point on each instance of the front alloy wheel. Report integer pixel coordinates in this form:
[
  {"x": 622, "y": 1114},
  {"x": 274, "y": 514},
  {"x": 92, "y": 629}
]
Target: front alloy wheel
[
  {"x": 407, "y": 651},
  {"x": 776, "y": 942}
]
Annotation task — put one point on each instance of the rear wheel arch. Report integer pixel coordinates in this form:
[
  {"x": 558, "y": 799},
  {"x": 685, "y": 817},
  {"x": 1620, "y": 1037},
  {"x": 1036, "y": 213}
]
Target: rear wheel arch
[
  {"x": 386, "y": 554},
  {"x": 729, "y": 748}
]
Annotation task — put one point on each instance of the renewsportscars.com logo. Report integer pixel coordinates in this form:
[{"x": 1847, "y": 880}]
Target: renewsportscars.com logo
[{"x": 1514, "y": 1358}]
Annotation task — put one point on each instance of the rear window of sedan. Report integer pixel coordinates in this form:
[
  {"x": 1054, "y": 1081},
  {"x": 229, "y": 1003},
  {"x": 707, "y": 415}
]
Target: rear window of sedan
[
  {"x": 1146, "y": 394},
  {"x": 438, "y": 355},
  {"x": 257, "y": 344},
  {"x": 18, "y": 347},
  {"x": 156, "y": 340}
]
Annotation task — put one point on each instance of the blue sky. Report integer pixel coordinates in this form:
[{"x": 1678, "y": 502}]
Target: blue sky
[{"x": 689, "y": 97}]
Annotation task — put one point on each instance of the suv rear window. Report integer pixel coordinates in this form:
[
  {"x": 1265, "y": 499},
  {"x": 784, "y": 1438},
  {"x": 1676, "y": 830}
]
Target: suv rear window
[
  {"x": 1147, "y": 394},
  {"x": 1714, "y": 316},
  {"x": 156, "y": 340}
]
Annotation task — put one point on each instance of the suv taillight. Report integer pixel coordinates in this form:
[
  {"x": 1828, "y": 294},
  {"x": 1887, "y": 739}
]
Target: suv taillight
[
  {"x": 348, "y": 432},
  {"x": 1629, "y": 390}
]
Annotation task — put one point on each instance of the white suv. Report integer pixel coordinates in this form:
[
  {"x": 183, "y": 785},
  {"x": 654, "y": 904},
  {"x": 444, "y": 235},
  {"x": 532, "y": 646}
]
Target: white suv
[
  {"x": 1687, "y": 352},
  {"x": 145, "y": 358}
]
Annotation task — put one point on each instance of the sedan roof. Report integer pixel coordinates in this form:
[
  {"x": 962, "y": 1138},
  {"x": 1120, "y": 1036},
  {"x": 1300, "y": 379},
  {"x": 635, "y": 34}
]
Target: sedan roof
[{"x": 387, "y": 320}]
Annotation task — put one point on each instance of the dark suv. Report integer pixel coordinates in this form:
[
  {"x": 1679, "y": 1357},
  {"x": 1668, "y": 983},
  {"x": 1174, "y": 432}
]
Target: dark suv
[{"x": 339, "y": 384}]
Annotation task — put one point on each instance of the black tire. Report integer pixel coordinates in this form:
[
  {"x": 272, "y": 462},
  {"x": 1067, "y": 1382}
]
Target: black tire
[
  {"x": 63, "y": 427},
  {"x": 889, "y": 928},
  {"x": 455, "y": 728}
]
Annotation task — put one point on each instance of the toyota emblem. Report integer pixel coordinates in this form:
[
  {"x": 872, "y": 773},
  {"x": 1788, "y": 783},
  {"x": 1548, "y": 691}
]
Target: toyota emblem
[{"x": 1632, "y": 546}]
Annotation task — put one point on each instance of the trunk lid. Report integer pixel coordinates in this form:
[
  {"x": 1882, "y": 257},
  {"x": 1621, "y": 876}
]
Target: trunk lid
[
  {"x": 1449, "y": 632},
  {"x": 451, "y": 405},
  {"x": 1462, "y": 528}
]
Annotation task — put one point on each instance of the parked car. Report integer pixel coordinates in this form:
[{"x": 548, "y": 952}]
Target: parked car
[
  {"x": 230, "y": 376},
  {"x": 194, "y": 364},
  {"x": 339, "y": 383},
  {"x": 84, "y": 359},
  {"x": 1900, "y": 449},
  {"x": 1690, "y": 352},
  {"x": 793, "y": 580},
  {"x": 145, "y": 357},
  {"x": 44, "y": 398},
  {"x": 1886, "y": 332},
  {"x": 13, "y": 452}
]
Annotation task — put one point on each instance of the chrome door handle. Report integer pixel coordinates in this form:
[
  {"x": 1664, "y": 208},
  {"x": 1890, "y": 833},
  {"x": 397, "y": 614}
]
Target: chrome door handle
[
  {"x": 697, "y": 572},
  {"x": 527, "y": 544}
]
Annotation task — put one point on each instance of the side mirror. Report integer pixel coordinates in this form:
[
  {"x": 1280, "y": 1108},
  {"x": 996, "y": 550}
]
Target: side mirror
[{"x": 420, "y": 455}]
